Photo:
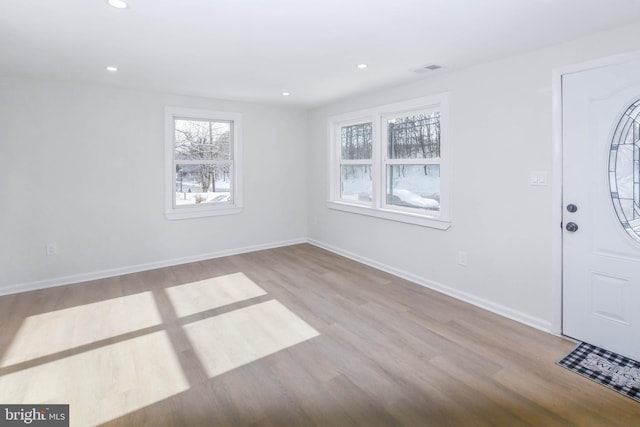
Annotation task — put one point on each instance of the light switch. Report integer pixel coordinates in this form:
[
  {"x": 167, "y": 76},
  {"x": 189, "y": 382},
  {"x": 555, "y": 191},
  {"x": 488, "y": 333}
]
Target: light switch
[{"x": 539, "y": 178}]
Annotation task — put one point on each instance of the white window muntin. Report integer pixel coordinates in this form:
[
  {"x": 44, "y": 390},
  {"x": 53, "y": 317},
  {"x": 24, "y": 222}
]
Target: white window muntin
[
  {"x": 378, "y": 208},
  {"x": 335, "y": 152},
  {"x": 172, "y": 209},
  {"x": 354, "y": 162},
  {"x": 224, "y": 162},
  {"x": 387, "y": 161}
]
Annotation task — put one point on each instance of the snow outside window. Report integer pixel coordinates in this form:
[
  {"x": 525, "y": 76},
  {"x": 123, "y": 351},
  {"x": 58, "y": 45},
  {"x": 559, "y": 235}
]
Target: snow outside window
[
  {"x": 393, "y": 162},
  {"x": 355, "y": 162},
  {"x": 202, "y": 163}
]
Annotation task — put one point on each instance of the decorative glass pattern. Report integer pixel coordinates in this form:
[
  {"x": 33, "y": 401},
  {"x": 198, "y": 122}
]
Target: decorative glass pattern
[{"x": 624, "y": 170}]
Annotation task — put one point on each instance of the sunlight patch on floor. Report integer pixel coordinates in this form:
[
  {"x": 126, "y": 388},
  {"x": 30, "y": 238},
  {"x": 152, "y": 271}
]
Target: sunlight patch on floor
[
  {"x": 196, "y": 297},
  {"x": 66, "y": 329},
  {"x": 115, "y": 365},
  {"x": 104, "y": 383},
  {"x": 233, "y": 339}
]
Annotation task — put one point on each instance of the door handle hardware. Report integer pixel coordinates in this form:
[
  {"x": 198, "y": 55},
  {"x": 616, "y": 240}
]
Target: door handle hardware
[{"x": 572, "y": 227}]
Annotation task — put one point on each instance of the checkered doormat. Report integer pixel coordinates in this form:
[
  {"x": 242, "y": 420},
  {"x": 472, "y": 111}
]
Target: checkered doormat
[{"x": 616, "y": 372}]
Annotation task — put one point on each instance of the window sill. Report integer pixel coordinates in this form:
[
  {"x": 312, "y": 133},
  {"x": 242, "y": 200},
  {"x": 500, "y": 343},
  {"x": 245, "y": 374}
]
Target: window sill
[
  {"x": 406, "y": 217},
  {"x": 201, "y": 212}
]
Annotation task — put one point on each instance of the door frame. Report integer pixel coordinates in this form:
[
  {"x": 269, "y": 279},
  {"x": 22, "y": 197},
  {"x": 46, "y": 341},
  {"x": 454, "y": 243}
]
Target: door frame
[{"x": 557, "y": 181}]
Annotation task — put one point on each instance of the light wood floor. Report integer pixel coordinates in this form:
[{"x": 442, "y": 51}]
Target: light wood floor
[{"x": 294, "y": 336}]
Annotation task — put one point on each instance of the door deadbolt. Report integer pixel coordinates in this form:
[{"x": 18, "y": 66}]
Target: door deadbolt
[{"x": 572, "y": 208}]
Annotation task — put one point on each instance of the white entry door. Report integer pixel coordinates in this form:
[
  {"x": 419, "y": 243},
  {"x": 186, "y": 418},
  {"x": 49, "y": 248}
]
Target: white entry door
[{"x": 601, "y": 213}]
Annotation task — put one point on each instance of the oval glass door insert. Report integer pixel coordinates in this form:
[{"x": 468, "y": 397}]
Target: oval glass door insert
[{"x": 624, "y": 170}]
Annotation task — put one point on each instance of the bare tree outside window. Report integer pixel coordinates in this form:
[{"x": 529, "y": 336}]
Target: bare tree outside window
[
  {"x": 355, "y": 169},
  {"x": 393, "y": 161},
  {"x": 202, "y": 160},
  {"x": 413, "y": 170},
  {"x": 414, "y": 137}
]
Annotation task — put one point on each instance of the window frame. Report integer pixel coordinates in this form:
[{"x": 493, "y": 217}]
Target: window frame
[
  {"x": 173, "y": 211},
  {"x": 356, "y": 162},
  {"x": 379, "y": 207}
]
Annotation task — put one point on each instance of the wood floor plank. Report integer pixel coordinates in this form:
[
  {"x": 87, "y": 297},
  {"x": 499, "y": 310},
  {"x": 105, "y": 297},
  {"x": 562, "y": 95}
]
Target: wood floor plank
[{"x": 180, "y": 346}]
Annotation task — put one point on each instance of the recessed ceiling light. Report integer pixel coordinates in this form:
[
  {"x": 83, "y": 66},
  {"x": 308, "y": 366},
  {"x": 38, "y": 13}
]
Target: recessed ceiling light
[
  {"x": 361, "y": 66},
  {"x": 118, "y": 4},
  {"x": 285, "y": 94},
  {"x": 111, "y": 68}
]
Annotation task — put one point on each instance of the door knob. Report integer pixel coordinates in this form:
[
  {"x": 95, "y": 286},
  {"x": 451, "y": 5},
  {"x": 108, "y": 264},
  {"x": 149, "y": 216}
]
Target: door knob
[
  {"x": 572, "y": 227},
  {"x": 572, "y": 208}
]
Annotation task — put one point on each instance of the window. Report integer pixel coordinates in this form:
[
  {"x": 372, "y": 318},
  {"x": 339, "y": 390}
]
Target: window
[
  {"x": 355, "y": 162},
  {"x": 202, "y": 163},
  {"x": 393, "y": 162},
  {"x": 624, "y": 170}
]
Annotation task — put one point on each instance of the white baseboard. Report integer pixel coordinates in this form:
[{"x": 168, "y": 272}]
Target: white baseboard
[
  {"x": 447, "y": 290},
  {"x": 85, "y": 277},
  {"x": 501, "y": 310}
]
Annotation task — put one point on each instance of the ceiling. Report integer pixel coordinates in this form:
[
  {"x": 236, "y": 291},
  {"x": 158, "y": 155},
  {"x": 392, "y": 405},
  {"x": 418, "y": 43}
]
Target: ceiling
[{"x": 254, "y": 50}]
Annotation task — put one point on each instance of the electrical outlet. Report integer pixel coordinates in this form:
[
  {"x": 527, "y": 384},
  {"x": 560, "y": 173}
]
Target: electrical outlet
[
  {"x": 51, "y": 248},
  {"x": 462, "y": 258}
]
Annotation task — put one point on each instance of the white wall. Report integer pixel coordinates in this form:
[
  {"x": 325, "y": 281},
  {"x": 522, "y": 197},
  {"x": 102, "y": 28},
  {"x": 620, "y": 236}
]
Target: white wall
[
  {"x": 82, "y": 166},
  {"x": 502, "y": 125}
]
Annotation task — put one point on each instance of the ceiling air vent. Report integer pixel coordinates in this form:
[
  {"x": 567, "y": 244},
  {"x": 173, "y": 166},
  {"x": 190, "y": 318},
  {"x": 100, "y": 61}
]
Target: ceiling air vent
[{"x": 427, "y": 68}]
